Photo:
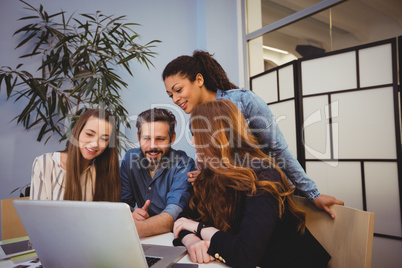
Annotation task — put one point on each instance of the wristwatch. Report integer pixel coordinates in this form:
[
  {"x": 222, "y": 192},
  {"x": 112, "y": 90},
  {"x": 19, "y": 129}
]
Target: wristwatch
[{"x": 199, "y": 228}]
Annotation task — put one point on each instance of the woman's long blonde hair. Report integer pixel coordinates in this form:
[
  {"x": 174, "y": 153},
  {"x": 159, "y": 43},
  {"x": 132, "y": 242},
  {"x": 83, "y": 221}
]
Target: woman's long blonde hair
[
  {"x": 107, "y": 183},
  {"x": 226, "y": 150}
]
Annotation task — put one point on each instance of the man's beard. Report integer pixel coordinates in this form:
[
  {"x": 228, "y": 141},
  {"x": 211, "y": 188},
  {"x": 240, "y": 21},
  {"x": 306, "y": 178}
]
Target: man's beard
[{"x": 154, "y": 162}]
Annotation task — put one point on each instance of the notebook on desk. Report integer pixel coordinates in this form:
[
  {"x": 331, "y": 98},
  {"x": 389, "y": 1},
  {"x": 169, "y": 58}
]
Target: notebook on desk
[{"x": 89, "y": 234}]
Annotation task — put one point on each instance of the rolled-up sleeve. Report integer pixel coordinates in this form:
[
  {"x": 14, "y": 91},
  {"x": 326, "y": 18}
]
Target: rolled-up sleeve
[
  {"x": 179, "y": 193},
  {"x": 37, "y": 190},
  {"x": 264, "y": 126},
  {"x": 127, "y": 195}
]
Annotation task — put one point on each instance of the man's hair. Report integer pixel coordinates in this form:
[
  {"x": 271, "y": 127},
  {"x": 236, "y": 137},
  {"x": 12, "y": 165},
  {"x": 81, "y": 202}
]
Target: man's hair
[{"x": 157, "y": 115}]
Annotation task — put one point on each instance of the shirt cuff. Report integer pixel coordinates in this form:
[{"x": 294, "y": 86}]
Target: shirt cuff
[
  {"x": 173, "y": 209},
  {"x": 177, "y": 241},
  {"x": 312, "y": 195}
]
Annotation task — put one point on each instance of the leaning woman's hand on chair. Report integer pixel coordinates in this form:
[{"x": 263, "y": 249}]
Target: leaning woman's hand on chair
[{"x": 324, "y": 202}]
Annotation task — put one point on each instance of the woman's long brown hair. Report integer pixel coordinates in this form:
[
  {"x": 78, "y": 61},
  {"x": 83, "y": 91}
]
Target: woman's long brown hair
[
  {"x": 226, "y": 148},
  {"x": 107, "y": 183}
]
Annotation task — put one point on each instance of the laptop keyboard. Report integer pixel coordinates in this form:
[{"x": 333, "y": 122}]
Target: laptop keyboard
[{"x": 152, "y": 260}]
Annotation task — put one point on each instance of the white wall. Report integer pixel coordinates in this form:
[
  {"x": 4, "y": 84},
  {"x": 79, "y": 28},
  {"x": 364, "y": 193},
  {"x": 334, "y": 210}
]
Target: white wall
[{"x": 181, "y": 25}]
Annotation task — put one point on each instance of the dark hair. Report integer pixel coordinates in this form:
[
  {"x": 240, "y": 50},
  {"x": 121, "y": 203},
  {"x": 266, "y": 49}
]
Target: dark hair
[
  {"x": 107, "y": 183},
  {"x": 200, "y": 63},
  {"x": 157, "y": 115},
  {"x": 222, "y": 177}
]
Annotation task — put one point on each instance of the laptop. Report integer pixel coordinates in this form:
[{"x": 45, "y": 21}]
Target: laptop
[{"x": 89, "y": 234}]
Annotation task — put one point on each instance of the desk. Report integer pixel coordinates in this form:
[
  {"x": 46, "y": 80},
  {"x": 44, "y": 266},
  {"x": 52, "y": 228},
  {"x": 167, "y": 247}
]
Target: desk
[
  {"x": 166, "y": 240},
  {"x": 163, "y": 239}
]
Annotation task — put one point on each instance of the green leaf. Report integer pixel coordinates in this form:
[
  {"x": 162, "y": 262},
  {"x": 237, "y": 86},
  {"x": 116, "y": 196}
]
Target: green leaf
[
  {"x": 56, "y": 14},
  {"x": 42, "y": 132},
  {"x": 78, "y": 61},
  {"x": 29, "y": 17},
  {"x": 26, "y": 39},
  {"x": 132, "y": 24},
  {"x": 88, "y": 16}
]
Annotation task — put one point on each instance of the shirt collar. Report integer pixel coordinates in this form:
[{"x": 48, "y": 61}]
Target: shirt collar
[{"x": 219, "y": 94}]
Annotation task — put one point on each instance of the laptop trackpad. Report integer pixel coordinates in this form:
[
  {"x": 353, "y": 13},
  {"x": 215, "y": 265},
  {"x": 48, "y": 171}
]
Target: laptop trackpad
[
  {"x": 158, "y": 250},
  {"x": 146, "y": 247},
  {"x": 169, "y": 254}
]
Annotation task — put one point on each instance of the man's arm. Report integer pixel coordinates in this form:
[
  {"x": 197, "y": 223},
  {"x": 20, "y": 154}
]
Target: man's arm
[
  {"x": 158, "y": 224},
  {"x": 176, "y": 199},
  {"x": 126, "y": 191}
]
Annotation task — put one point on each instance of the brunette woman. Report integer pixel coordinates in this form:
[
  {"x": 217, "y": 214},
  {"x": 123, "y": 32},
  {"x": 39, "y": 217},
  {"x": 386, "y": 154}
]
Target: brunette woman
[
  {"x": 88, "y": 170},
  {"x": 193, "y": 80},
  {"x": 241, "y": 212}
]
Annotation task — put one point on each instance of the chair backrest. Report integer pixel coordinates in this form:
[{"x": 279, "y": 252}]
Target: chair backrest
[
  {"x": 348, "y": 238},
  {"x": 11, "y": 226}
]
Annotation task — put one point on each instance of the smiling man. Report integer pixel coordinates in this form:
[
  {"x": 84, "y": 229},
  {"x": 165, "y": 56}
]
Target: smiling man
[{"x": 154, "y": 176}]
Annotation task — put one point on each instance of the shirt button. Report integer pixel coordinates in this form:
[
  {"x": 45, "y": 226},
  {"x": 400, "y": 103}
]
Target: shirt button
[{"x": 149, "y": 188}]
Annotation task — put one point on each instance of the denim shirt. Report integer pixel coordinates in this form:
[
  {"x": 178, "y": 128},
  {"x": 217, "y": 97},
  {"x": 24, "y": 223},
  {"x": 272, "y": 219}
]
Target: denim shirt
[
  {"x": 168, "y": 190},
  {"x": 263, "y": 125}
]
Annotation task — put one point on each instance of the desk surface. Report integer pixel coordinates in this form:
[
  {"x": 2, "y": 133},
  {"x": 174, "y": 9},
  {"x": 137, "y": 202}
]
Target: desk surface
[
  {"x": 163, "y": 239},
  {"x": 166, "y": 240}
]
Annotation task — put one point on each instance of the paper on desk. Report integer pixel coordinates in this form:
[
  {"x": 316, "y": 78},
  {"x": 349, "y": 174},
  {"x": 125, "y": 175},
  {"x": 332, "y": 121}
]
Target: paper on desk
[{"x": 27, "y": 262}]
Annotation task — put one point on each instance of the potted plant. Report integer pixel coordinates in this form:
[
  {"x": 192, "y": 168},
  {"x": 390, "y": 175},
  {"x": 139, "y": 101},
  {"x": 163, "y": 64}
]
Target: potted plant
[{"x": 78, "y": 58}]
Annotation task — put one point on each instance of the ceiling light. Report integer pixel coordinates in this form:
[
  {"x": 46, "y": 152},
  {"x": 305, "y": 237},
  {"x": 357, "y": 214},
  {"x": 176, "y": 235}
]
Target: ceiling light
[{"x": 275, "y": 49}]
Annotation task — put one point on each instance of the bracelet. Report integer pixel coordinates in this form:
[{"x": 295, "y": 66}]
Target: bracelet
[{"x": 198, "y": 232}]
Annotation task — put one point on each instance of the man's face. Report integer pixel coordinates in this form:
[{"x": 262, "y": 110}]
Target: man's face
[{"x": 155, "y": 141}]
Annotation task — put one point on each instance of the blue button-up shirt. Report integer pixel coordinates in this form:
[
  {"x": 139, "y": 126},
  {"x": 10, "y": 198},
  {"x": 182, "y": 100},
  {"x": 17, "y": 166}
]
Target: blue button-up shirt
[
  {"x": 167, "y": 190},
  {"x": 263, "y": 125}
]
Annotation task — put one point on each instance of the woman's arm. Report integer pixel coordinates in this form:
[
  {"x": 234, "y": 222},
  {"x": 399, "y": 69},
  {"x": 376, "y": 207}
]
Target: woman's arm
[
  {"x": 263, "y": 125},
  {"x": 38, "y": 183},
  {"x": 184, "y": 229},
  {"x": 197, "y": 249}
]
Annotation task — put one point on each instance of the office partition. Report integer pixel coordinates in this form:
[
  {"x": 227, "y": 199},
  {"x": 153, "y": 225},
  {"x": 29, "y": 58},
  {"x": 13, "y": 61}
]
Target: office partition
[
  {"x": 281, "y": 83},
  {"x": 342, "y": 121}
]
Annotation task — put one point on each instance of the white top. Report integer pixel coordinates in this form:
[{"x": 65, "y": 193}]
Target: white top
[{"x": 48, "y": 179}]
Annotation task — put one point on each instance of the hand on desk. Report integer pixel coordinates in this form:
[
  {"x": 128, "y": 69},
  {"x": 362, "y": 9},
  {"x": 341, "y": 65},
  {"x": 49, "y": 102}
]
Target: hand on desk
[
  {"x": 184, "y": 224},
  {"x": 148, "y": 226},
  {"x": 197, "y": 249},
  {"x": 324, "y": 202}
]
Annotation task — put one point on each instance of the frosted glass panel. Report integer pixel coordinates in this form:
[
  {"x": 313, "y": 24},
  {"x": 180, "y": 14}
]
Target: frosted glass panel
[
  {"x": 316, "y": 128},
  {"x": 284, "y": 113},
  {"x": 286, "y": 83},
  {"x": 266, "y": 86},
  {"x": 386, "y": 253},
  {"x": 328, "y": 74},
  {"x": 383, "y": 197},
  {"x": 375, "y": 65},
  {"x": 400, "y": 114},
  {"x": 366, "y": 124},
  {"x": 339, "y": 179}
]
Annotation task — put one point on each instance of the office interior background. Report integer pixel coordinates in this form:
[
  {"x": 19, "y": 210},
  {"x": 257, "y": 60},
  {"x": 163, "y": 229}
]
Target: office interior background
[{"x": 248, "y": 38}]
